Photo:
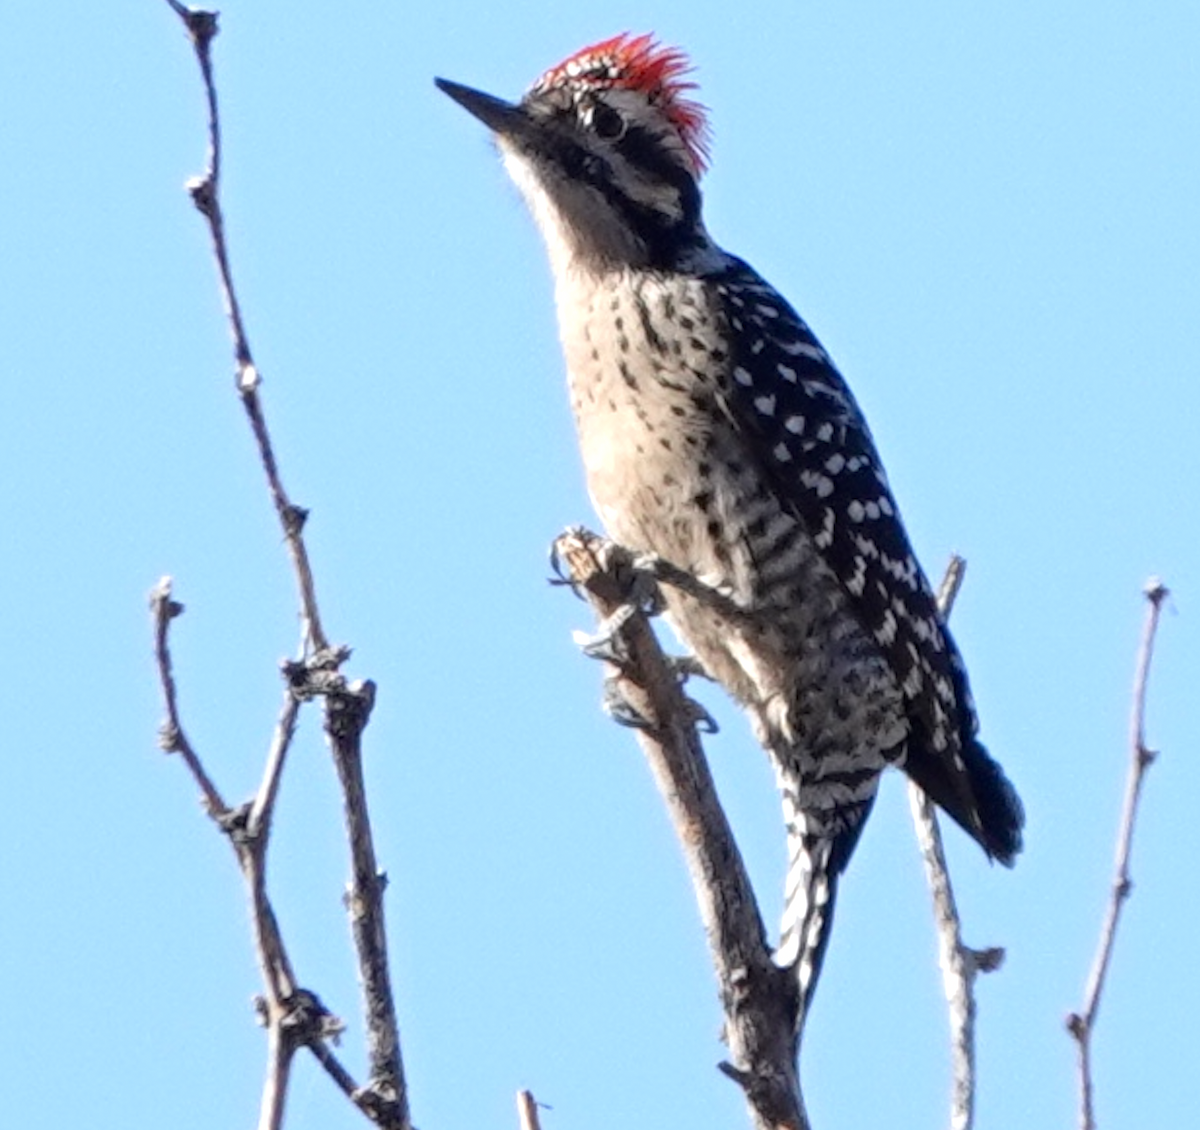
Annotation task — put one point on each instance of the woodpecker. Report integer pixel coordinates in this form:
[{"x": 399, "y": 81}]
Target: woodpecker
[{"x": 717, "y": 434}]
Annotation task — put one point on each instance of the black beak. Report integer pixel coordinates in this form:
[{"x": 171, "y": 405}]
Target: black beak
[{"x": 500, "y": 117}]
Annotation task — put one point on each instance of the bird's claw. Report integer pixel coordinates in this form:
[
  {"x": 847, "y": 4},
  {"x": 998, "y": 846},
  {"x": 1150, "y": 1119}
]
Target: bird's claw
[
  {"x": 700, "y": 717},
  {"x": 642, "y": 595},
  {"x": 685, "y": 667},
  {"x": 619, "y": 708},
  {"x": 562, "y": 576},
  {"x": 644, "y": 589}
]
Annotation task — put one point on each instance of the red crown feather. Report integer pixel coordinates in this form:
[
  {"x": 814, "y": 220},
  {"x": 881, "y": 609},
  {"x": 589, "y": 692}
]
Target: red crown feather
[{"x": 639, "y": 62}]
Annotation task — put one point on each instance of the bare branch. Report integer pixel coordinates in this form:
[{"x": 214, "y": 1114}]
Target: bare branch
[
  {"x": 958, "y": 962},
  {"x": 171, "y": 735},
  {"x": 293, "y": 1016},
  {"x": 280, "y": 1054},
  {"x": 527, "y": 1115},
  {"x": 262, "y": 809},
  {"x": 206, "y": 194},
  {"x": 346, "y": 712},
  {"x": 1082, "y": 1024},
  {"x": 759, "y": 999}
]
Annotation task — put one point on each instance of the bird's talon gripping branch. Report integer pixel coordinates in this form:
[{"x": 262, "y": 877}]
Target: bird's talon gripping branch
[
  {"x": 644, "y": 589},
  {"x": 618, "y": 707},
  {"x": 700, "y": 717},
  {"x": 685, "y": 667},
  {"x": 606, "y": 642},
  {"x": 562, "y": 575}
]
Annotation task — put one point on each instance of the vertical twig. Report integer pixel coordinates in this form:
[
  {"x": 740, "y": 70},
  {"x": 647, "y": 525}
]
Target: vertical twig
[
  {"x": 527, "y": 1115},
  {"x": 958, "y": 962},
  {"x": 280, "y": 1052},
  {"x": 1082, "y": 1024},
  {"x": 346, "y": 712}
]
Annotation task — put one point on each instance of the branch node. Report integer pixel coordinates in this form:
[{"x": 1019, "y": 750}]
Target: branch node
[
  {"x": 294, "y": 517},
  {"x": 348, "y": 709},
  {"x": 235, "y": 823},
  {"x": 379, "y": 1100},
  {"x": 202, "y": 190},
  {"x": 307, "y": 1020},
  {"x": 170, "y": 737},
  {"x": 1155, "y": 591},
  {"x": 249, "y": 379},
  {"x": 987, "y": 960},
  {"x": 202, "y": 25}
]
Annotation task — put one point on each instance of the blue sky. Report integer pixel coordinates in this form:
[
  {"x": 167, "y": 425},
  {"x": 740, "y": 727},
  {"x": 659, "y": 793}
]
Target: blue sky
[{"x": 988, "y": 216}]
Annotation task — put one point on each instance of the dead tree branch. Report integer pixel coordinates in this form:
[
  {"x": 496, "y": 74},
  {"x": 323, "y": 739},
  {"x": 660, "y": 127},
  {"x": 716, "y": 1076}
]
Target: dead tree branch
[
  {"x": 758, "y": 998},
  {"x": 294, "y": 1017},
  {"x": 958, "y": 962},
  {"x": 1082, "y": 1024},
  {"x": 527, "y": 1111}
]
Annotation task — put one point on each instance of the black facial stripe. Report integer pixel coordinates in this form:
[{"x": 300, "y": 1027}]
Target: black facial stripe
[{"x": 644, "y": 150}]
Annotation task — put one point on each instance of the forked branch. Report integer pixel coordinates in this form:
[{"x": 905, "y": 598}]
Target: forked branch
[{"x": 294, "y": 1017}]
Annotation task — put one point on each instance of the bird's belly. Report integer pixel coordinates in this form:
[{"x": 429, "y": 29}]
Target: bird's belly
[
  {"x": 669, "y": 474},
  {"x": 787, "y": 645}
]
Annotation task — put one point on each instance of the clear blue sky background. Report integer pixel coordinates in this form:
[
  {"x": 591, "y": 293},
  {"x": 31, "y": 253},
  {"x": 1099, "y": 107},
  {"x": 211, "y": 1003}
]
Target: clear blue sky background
[{"x": 988, "y": 213}]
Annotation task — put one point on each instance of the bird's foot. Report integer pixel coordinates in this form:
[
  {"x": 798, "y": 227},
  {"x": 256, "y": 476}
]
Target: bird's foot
[
  {"x": 642, "y": 595},
  {"x": 685, "y": 667},
  {"x": 617, "y": 706},
  {"x": 639, "y": 576}
]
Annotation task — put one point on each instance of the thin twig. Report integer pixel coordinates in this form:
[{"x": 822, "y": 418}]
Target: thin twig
[
  {"x": 206, "y": 195},
  {"x": 263, "y": 807},
  {"x": 288, "y": 1010},
  {"x": 280, "y": 1053},
  {"x": 1082, "y": 1024},
  {"x": 247, "y": 828},
  {"x": 759, "y": 999},
  {"x": 346, "y": 714},
  {"x": 527, "y": 1111},
  {"x": 958, "y": 962},
  {"x": 171, "y": 735}
]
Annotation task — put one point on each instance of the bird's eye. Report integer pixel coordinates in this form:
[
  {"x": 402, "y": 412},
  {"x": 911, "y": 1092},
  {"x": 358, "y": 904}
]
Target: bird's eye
[{"x": 606, "y": 122}]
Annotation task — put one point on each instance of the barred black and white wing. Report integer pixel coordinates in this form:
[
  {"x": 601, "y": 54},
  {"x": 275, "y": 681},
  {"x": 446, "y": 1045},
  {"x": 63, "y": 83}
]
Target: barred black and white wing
[{"x": 786, "y": 395}]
